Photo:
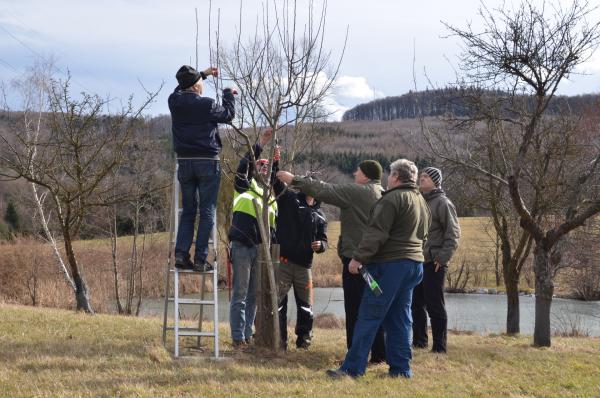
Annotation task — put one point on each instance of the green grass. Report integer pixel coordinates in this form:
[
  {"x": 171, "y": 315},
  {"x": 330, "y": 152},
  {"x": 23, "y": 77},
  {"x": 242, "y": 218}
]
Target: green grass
[{"x": 56, "y": 353}]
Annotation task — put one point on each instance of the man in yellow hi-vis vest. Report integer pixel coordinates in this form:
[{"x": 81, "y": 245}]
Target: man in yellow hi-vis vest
[{"x": 244, "y": 236}]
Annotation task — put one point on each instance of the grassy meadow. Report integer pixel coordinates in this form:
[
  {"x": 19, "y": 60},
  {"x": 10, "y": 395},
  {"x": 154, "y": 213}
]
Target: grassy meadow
[{"x": 58, "y": 353}]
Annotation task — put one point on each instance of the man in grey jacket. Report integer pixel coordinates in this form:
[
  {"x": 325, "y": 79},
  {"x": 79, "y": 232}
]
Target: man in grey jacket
[
  {"x": 355, "y": 201},
  {"x": 444, "y": 233}
]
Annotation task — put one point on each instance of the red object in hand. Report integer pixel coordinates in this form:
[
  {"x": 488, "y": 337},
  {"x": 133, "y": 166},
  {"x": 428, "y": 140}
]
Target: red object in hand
[
  {"x": 234, "y": 91},
  {"x": 277, "y": 154}
]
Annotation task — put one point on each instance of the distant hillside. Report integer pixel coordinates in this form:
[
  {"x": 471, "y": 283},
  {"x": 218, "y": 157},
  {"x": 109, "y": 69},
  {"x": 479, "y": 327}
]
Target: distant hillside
[{"x": 449, "y": 101}]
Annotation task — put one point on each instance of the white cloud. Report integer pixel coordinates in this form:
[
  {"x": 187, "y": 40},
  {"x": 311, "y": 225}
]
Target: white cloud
[
  {"x": 349, "y": 91},
  {"x": 355, "y": 87},
  {"x": 592, "y": 65}
]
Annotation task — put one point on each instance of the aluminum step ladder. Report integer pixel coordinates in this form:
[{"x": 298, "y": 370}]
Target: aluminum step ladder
[{"x": 179, "y": 302}]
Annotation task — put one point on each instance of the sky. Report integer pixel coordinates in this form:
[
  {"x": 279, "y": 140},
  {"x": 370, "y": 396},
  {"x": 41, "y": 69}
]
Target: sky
[{"x": 113, "y": 47}]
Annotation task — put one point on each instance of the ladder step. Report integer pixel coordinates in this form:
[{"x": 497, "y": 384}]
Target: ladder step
[
  {"x": 193, "y": 301},
  {"x": 196, "y": 333},
  {"x": 189, "y": 271},
  {"x": 188, "y": 329}
]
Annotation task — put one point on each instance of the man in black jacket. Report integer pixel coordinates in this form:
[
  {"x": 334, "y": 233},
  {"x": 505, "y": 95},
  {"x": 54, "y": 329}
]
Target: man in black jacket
[
  {"x": 197, "y": 144},
  {"x": 301, "y": 230}
]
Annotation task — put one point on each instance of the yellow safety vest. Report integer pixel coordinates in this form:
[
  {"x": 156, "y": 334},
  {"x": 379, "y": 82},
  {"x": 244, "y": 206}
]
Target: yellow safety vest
[{"x": 242, "y": 202}]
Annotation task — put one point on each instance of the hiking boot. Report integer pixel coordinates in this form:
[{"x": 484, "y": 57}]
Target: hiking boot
[
  {"x": 303, "y": 342},
  {"x": 202, "y": 266},
  {"x": 182, "y": 261},
  {"x": 338, "y": 374},
  {"x": 406, "y": 375},
  {"x": 239, "y": 344}
]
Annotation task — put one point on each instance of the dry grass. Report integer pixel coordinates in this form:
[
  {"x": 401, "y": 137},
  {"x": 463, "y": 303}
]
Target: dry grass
[
  {"x": 57, "y": 353},
  {"x": 22, "y": 259}
]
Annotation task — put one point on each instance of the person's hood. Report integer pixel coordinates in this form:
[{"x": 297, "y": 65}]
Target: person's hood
[{"x": 302, "y": 200}]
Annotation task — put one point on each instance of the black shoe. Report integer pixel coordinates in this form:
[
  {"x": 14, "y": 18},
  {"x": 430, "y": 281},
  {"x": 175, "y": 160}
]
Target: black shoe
[
  {"x": 337, "y": 374},
  {"x": 438, "y": 350},
  {"x": 303, "y": 342},
  {"x": 419, "y": 345},
  {"x": 182, "y": 261},
  {"x": 202, "y": 266}
]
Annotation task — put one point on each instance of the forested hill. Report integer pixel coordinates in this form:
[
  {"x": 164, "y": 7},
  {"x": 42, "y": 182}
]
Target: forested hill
[{"x": 448, "y": 101}]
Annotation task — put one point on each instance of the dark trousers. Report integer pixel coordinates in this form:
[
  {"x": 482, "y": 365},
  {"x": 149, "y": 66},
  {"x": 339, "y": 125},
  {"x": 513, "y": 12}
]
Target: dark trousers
[
  {"x": 199, "y": 180},
  {"x": 300, "y": 278},
  {"x": 428, "y": 298},
  {"x": 354, "y": 286}
]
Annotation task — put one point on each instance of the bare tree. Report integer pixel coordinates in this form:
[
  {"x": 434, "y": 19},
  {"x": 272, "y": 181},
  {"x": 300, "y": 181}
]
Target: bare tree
[
  {"x": 284, "y": 75},
  {"x": 527, "y": 51},
  {"x": 33, "y": 90},
  {"x": 78, "y": 145}
]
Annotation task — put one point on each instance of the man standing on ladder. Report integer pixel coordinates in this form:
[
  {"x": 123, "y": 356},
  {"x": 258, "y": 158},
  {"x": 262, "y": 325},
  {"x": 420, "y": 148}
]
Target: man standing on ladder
[{"x": 197, "y": 144}]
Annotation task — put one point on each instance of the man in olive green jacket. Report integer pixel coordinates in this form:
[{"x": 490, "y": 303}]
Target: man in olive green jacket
[
  {"x": 392, "y": 251},
  {"x": 355, "y": 201},
  {"x": 444, "y": 234}
]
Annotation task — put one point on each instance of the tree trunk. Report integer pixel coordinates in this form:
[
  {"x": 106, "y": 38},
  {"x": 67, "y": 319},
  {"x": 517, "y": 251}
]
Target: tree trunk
[
  {"x": 114, "y": 248},
  {"x": 497, "y": 260},
  {"x": 513, "y": 316},
  {"x": 544, "y": 289},
  {"x": 267, "y": 317},
  {"x": 81, "y": 292}
]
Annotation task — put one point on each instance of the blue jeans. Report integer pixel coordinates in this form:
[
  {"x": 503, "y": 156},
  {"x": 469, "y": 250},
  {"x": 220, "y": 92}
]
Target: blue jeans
[
  {"x": 242, "y": 309},
  {"x": 200, "y": 177},
  {"x": 392, "y": 309}
]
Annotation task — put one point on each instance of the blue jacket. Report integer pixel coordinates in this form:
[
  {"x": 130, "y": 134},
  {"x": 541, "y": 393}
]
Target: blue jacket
[{"x": 194, "y": 122}]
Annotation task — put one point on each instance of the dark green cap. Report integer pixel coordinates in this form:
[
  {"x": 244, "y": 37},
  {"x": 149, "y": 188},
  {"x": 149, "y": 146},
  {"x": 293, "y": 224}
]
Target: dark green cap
[{"x": 372, "y": 169}]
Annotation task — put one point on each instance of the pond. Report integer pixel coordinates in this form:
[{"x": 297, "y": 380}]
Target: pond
[{"x": 483, "y": 313}]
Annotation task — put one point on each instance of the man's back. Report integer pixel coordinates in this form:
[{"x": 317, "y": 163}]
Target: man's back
[{"x": 194, "y": 122}]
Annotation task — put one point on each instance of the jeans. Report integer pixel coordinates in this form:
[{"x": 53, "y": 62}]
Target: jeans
[
  {"x": 354, "y": 285},
  {"x": 392, "y": 309},
  {"x": 428, "y": 298},
  {"x": 242, "y": 309},
  {"x": 200, "y": 177}
]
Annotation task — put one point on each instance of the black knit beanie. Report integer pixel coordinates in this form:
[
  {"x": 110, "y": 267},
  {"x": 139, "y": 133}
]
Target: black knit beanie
[
  {"x": 372, "y": 169},
  {"x": 187, "y": 76},
  {"x": 434, "y": 174}
]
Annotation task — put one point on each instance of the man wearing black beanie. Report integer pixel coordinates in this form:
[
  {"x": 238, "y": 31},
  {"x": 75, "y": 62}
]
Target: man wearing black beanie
[
  {"x": 355, "y": 201},
  {"x": 197, "y": 144}
]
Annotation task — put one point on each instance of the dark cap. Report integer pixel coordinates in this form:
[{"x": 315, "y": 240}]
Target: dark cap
[
  {"x": 372, "y": 169},
  {"x": 187, "y": 76}
]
